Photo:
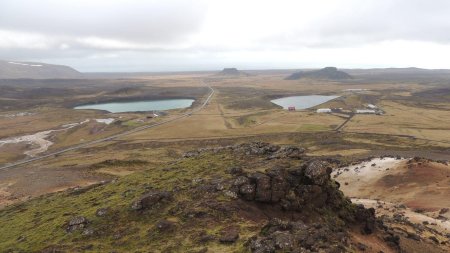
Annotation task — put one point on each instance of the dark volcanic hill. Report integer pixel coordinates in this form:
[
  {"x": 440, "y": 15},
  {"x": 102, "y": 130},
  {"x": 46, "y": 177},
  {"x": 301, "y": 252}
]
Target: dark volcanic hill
[
  {"x": 330, "y": 73},
  {"x": 33, "y": 70},
  {"x": 231, "y": 72},
  {"x": 251, "y": 197}
]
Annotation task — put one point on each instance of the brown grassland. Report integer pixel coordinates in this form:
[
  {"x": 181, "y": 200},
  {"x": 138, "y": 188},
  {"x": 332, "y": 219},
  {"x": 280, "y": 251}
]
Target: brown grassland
[{"x": 240, "y": 110}]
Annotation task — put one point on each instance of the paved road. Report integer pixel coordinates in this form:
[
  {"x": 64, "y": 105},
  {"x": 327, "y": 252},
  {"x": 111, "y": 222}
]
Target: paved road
[{"x": 112, "y": 137}]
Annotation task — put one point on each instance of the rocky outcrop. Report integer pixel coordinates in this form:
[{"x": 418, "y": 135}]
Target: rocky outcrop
[
  {"x": 286, "y": 236},
  {"x": 254, "y": 148},
  {"x": 304, "y": 190},
  {"x": 76, "y": 223},
  {"x": 293, "y": 189}
]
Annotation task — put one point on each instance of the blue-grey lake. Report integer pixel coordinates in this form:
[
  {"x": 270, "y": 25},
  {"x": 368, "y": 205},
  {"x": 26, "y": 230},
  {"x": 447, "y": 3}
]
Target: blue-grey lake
[
  {"x": 302, "y": 102},
  {"x": 140, "y": 106}
]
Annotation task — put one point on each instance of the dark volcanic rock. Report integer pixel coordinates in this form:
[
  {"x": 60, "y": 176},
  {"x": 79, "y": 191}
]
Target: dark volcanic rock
[
  {"x": 283, "y": 240},
  {"x": 367, "y": 216},
  {"x": 263, "y": 187},
  {"x": 294, "y": 189},
  {"x": 235, "y": 170},
  {"x": 279, "y": 185},
  {"x": 262, "y": 245},
  {"x": 248, "y": 191},
  {"x": 253, "y": 148},
  {"x": 229, "y": 234},
  {"x": 290, "y": 152},
  {"x": 319, "y": 172},
  {"x": 288, "y": 236},
  {"x": 165, "y": 226},
  {"x": 241, "y": 180},
  {"x": 151, "y": 199}
]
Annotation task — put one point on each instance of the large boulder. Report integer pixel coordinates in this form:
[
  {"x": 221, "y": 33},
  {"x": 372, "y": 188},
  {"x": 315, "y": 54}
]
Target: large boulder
[{"x": 318, "y": 172}]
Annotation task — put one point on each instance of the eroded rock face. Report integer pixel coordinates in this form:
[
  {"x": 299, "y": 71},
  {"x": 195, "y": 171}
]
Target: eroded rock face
[
  {"x": 302, "y": 189},
  {"x": 151, "y": 199},
  {"x": 293, "y": 189}
]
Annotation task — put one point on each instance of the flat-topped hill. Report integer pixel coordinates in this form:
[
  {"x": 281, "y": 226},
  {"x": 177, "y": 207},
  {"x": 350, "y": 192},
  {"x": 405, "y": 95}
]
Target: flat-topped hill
[
  {"x": 330, "y": 73},
  {"x": 232, "y": 72}
]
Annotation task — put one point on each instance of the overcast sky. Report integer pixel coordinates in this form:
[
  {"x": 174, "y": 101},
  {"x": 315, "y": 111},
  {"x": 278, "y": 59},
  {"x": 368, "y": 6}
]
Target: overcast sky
[{"x": 172, "y": 35}]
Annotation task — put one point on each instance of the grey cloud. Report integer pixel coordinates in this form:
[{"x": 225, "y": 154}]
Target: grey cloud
[
  {"x": 372, "y": 21},
  {"x": 133, "y": 20},
  {"x": 151, "y": 34}
]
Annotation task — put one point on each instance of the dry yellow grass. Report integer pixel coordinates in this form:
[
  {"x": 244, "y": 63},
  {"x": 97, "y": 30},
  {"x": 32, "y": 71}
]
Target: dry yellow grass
[
  {"x": 400, "y": 119},
  {"x": 214, "y": 122}
]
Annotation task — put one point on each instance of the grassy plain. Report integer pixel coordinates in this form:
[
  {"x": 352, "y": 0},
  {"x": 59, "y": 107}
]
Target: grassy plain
[{"x": 240, "y": 110}]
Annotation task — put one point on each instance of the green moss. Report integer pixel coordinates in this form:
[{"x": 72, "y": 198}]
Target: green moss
[{"x": 42, "y": 221}]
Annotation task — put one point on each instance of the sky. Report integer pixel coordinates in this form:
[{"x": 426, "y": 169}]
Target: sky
[{"x": 184, "y": 35}]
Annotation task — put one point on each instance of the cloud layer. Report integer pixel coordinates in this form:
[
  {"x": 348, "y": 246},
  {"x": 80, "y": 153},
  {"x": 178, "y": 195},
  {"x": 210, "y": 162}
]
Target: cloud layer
[{"x": 134, "y": 35}]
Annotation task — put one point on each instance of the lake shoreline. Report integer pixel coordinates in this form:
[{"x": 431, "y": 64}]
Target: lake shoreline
[{"x": 139, "y": 106}]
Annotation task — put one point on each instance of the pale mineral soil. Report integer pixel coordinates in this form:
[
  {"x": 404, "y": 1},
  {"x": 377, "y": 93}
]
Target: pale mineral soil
[
  {"x": 357, "y": 180},
  {"x": 413, "y": 188},
  {"x": 419, "y": 184},
  {"x": 38, "y": 141},
  {"x": 388, "y": 208}
]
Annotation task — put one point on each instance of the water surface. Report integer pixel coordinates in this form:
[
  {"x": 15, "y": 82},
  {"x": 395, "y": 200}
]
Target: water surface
[
  {"x": 302, "y": 102},
  {"x": 140, "y": 106}
]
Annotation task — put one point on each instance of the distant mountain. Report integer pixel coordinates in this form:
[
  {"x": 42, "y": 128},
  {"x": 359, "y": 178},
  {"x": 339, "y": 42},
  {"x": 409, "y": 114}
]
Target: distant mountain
[
  {"x": 231, "y": 72},
  {"x": 330, "y": 73},
  {"x": 34, "y": 70}
]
